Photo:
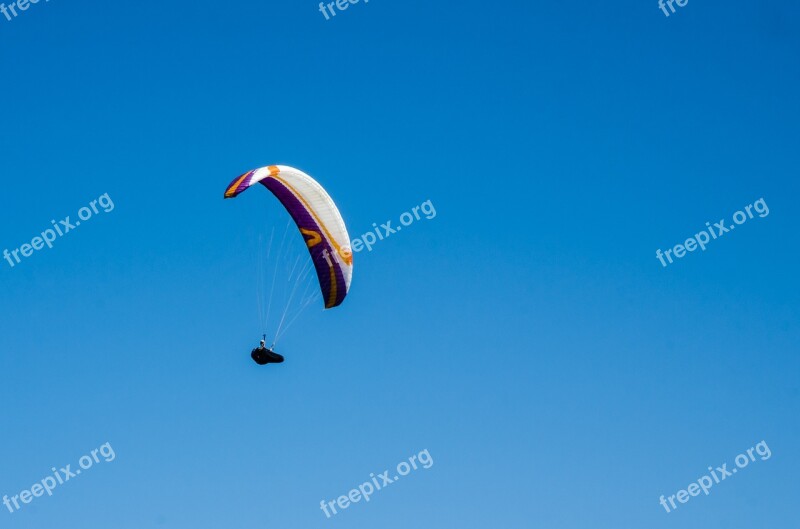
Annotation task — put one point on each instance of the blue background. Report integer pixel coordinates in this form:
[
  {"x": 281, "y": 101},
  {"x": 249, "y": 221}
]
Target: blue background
[{"x": 527, "y": 336}]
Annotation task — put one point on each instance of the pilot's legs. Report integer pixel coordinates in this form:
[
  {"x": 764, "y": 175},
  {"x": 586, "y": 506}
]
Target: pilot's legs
[
  {"x": 266, "y": 357},
  {"x": 274, "y": 358}
]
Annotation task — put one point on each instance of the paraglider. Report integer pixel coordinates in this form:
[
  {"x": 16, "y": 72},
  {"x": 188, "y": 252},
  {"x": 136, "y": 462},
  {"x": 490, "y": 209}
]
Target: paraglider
[
  {"x": 265, "y": 355},
  {"x": 319, "y": 222}
]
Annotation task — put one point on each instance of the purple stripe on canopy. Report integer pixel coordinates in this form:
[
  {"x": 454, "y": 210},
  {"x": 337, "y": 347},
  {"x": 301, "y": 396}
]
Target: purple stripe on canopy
[
  {"x": 243, "y": 183},
  {"x": 305, "y": 220}
]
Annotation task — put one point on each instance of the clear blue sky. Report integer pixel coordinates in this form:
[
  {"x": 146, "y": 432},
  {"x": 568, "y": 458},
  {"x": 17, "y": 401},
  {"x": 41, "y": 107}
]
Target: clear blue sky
[{"x": 527, "y": 336}]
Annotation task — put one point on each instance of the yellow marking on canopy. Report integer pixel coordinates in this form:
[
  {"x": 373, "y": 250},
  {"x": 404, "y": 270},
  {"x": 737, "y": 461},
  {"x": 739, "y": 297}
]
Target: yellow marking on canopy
[
  {"x": 315, "y": 239},
  {"x": 232, "y": 189},
  {"x": 334, "y": 288}
]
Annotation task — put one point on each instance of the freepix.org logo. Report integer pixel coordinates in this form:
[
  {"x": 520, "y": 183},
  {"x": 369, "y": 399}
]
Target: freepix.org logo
[
  {"x": 712, "y": 233},
  {"x": 334, "y": 7},
  {"x": 719, "y": 474},
  {"x": 58, "y": 229},
  {"x": 375, "y": 483},
  {"x": 663, "y": 5},
  {"x": 59, "y": 477},
  {"x": 369, "y": 239},
  {"x": 10, "y": 11}
]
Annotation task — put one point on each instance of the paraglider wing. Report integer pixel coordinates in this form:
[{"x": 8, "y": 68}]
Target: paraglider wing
[{"x": 318, "y": 220}]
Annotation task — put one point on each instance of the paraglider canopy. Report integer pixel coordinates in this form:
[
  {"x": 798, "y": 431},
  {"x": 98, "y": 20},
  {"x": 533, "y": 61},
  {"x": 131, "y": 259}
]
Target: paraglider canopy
[{"x": 317, "y": 219}]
